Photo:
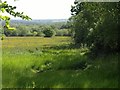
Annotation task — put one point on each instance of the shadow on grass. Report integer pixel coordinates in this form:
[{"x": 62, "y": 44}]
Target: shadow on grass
[
  {"x": 62, "y": 47},
  {"x": 64, "y": 70},
  {"x": 67, "y": 79}
]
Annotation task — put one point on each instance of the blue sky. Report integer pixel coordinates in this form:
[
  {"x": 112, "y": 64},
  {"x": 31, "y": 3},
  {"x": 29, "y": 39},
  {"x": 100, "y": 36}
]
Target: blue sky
[{"x": 44, "y": 9}]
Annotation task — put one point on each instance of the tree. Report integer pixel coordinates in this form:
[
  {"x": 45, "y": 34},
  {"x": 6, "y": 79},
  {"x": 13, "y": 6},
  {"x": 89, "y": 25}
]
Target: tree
[
  {"x": 48, "y": 31},
  {"x": 96, "y": 25},
  {"x": 4, "y": 7}
]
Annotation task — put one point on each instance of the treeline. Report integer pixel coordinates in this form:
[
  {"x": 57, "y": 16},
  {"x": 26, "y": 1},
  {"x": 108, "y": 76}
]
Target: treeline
[
  {"x": 96, "y": 25},
  {"x": 41, "y": 30}
]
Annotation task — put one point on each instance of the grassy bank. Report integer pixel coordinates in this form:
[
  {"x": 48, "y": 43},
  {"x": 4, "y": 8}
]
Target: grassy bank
[{"x": 51, "y": 62}]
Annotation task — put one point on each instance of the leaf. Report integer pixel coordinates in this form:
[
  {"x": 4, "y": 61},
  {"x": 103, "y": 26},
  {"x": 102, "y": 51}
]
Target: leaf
[
  {"x": 3, "y": 10},
  {"x": 10, "y": 28}
]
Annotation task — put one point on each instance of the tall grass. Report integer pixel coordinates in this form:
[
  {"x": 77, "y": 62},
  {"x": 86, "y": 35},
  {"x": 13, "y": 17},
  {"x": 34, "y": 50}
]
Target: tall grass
[{"x": 50, "y": 63}]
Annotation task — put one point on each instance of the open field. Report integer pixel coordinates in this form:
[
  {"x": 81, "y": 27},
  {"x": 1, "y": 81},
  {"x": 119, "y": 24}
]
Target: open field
[{"x": 33, "y": 62}]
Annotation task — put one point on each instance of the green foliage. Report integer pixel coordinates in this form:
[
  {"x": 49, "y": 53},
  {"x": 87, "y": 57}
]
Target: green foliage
[
  {"x": 63, "y": 32},
  {"x": 36, "y": 29},
  {"x": 4, "y": 7},
  {"x": 48, "y": 31},
  {"x": 96, "y": 25}
]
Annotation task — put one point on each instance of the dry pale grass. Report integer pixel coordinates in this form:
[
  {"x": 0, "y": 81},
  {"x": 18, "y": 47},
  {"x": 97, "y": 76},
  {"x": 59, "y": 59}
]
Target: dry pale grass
[{"x": 23, "y": 42}]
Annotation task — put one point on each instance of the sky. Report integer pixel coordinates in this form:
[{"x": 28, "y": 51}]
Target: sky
[{"x": 44, "y": 9}]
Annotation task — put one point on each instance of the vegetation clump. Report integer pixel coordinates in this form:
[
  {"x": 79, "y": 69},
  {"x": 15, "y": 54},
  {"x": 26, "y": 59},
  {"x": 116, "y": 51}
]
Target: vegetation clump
[
  {"x": 48, "y": 32},
  {"x": 95, "y": 25}
]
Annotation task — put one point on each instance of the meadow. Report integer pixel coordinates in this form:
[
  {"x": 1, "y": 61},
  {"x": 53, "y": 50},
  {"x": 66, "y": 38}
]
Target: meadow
[{"x": 35, "y": 62}]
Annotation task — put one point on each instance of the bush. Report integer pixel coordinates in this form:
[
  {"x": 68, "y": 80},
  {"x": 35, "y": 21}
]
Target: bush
[
  {"x": 49, "y": 32},
  {"x": 63, "y": 32},
  {"x": 59, "y": 33},
  {"x": 41, "y": 34}
]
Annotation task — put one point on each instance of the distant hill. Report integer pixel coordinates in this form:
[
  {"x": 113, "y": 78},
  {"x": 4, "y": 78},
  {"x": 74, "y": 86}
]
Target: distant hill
[{"x": 39, "y": 21}]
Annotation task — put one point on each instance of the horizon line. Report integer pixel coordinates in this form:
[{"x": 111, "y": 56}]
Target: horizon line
[{"x": 44, "y": 19}]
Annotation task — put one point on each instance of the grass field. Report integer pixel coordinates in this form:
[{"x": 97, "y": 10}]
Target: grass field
[{"x": 53, "y": 63}]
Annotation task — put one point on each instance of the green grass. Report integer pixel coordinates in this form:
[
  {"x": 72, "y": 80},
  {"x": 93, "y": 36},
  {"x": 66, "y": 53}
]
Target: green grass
[{"x": 52, "y": 63}]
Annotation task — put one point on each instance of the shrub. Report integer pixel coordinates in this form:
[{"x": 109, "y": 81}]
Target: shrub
[
  {"x": 41, "y": 34},
  {"x": 59, "y": 33},
  {"x": 48, "y": 32},
  {"x": 63, "y": 32}
]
